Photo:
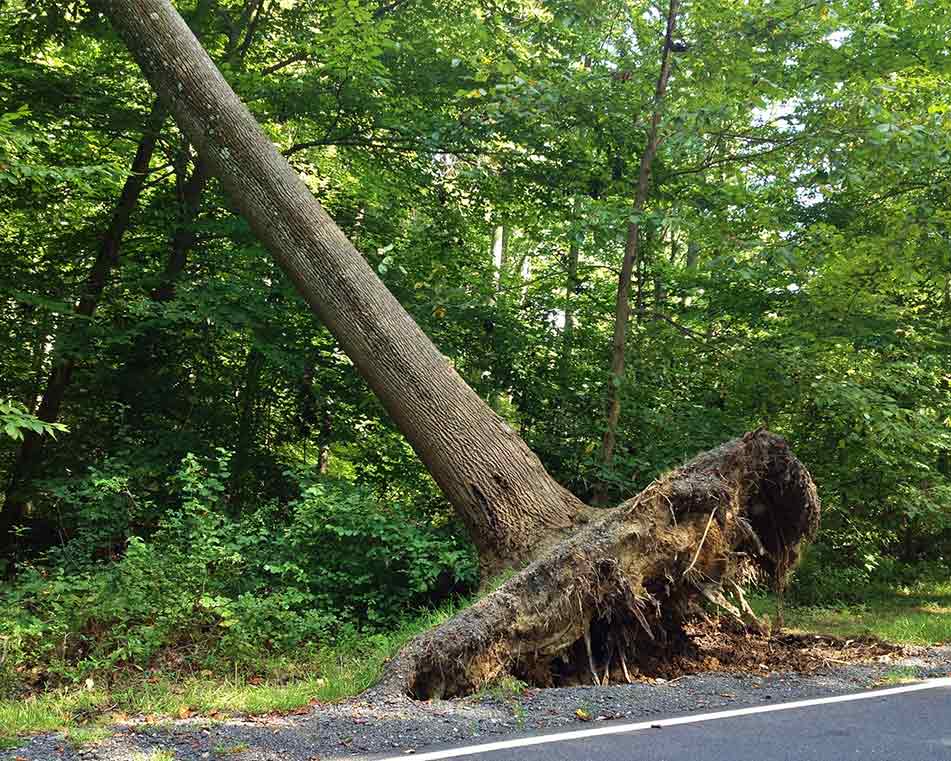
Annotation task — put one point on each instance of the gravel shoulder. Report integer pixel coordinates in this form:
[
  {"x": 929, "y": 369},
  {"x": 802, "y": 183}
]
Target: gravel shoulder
[{"x": 364, "y": 729}]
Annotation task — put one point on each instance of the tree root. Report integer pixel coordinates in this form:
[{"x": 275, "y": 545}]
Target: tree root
[{"x": 619, "y": 589}]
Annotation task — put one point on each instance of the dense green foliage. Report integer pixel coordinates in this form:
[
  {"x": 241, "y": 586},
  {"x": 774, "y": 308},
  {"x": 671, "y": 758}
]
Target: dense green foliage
[
  {"x": 217, "y": 589},
  {"x": 228, "y": 486}
]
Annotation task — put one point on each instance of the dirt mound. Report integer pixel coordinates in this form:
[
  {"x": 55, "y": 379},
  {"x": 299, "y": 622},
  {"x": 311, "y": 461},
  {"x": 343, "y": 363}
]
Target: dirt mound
[{"x": 723, "y": 645}]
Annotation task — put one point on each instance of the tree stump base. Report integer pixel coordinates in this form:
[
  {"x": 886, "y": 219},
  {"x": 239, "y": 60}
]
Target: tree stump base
[{"x": 617, "y": 593}]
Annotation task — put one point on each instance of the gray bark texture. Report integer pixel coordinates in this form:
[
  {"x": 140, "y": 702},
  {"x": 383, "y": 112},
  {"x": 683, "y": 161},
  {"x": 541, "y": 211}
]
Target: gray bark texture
[{"x": 493, "y": 480}]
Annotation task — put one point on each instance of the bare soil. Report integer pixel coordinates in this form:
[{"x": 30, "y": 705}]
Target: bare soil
[{"x": 722, "y": 645}]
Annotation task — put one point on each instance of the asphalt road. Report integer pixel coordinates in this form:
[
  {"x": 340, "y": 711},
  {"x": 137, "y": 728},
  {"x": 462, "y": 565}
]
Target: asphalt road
[{"x": 912, "y": 725}]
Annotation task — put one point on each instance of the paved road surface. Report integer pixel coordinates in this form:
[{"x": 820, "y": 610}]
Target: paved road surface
[{"x": 900, "y": 724}]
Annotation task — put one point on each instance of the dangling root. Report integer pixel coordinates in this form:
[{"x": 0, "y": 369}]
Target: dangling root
[
  {"x": 747, "y": 504},
  {"x": 714, "y": 594},
  {"x": 587, "y": 645},
  {"x": 627, "y": 674},
  {"x": 703, "y": 538},
  {"x": 744, "y": 605},
  {"x": 642, "y": 620}
]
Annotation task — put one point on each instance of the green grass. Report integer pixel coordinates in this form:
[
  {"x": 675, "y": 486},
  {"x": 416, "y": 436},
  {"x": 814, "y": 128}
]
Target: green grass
[
  {"x": 332, "y": 674},
  {"x": 230, "y": 750},
  {"x": 154, "y": 755},
  {"x": 918, "y": 614},
  {"x": 92, "y": 734},
  {"x": 901, "y": 675},
  {"x": 505, "y": 688}
]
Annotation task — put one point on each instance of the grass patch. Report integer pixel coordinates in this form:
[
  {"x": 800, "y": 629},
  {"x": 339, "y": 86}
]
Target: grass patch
[
  {"x": 154, "y": 755},
  {"x": 505, "y": 688},
  {"x": 280, "y": 686},
  {"x": 80, "y": 737},
  {"x": 48, "y": 713},
  {"x": 231, "y": 750},
  {"x": 901, "y": 675},
  {"x": 918, "y": 614}
]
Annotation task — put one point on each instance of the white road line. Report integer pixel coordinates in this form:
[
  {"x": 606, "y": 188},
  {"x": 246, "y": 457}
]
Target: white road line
[{"x": 616, "y": 729}]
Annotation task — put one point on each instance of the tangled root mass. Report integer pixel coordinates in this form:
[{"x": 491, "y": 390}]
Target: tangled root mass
[{"x": 612, "y": 601}]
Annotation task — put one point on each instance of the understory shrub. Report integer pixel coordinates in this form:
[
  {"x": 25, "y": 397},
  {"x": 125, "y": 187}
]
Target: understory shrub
[
  {"x": 212, "y": 589},
  {"x": 830, "y": 576}
]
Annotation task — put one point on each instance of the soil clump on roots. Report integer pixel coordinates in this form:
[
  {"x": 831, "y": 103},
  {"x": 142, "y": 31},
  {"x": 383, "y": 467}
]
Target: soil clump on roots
[{"x": 617, "y": 597}]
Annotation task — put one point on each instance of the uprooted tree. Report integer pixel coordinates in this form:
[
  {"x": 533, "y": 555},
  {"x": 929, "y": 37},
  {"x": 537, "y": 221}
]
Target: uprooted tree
[{"x": 598, "y": 588}]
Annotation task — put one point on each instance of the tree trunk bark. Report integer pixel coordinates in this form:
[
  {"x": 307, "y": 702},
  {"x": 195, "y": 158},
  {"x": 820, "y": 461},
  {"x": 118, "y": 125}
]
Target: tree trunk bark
[
  {"x": 693, "y": 254},
  {"x": 323, "y": 437},
  {"x": 499, "y": 246},
  {"x": 640, "y": 270},
  {"x": 40, "y": 353},
  {"x": 30, "y": 453},
  {"x": 660, "y": 290},
  {"x": 486, "y": 366},
  {"x": 496, "y": 484},
  {"x": 254, "y": 365},
  {"x": 632, "y": 242},
  {"x": 571, "y": 283},
  {"x": 184, "y": 236}
]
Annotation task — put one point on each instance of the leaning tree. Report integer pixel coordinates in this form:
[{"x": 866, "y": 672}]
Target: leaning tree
[{"x": 594, "y": 589}]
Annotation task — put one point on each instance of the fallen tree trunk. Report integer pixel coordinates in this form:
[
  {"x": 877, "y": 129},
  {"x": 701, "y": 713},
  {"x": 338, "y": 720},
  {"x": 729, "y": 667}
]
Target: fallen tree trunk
[
  {"x": 604, "y": 588},
  {"x": 617, "y": 592}
]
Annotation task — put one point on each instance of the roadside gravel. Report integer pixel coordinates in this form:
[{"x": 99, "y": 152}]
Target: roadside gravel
[{"x": 360, "y": 729}]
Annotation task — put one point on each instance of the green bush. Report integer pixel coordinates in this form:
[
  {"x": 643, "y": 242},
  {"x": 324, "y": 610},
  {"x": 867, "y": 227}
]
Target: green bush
[
  {"x": 822, "y": 579},
  {"x": 830, "y": 576},
  {"x": 211, "y": 589}
]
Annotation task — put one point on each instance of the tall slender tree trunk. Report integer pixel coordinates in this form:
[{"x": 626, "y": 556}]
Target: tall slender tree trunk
[
  {"x": 568, "y": 332},
  {"x": 571, "y": 284},
  {"x": 631, "y": 245},
  {"x": 40, "y": 353},
  {"x": 497, "y": 485},
  {"x": 640, "y": 268},
  {"x": 499, "y": 249},
  {"x": 525, "y": 273},
  {"x": 184, "y": 236},
  {"x": 660, "y": 289},
  {"x": 31, "y": 449},
  {"x": 241, "y": 38},
  {"x": 253, "y": 368},
  {"x": 323, "y": 437},
  {"x": 693, "y": 254},
  {"x": 137, "y": 373},
  {"x": 486, "y": 365}
]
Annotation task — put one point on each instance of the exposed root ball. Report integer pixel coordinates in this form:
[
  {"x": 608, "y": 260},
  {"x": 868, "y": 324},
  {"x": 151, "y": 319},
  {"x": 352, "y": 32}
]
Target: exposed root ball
[{"x": 613, "y": 597}]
